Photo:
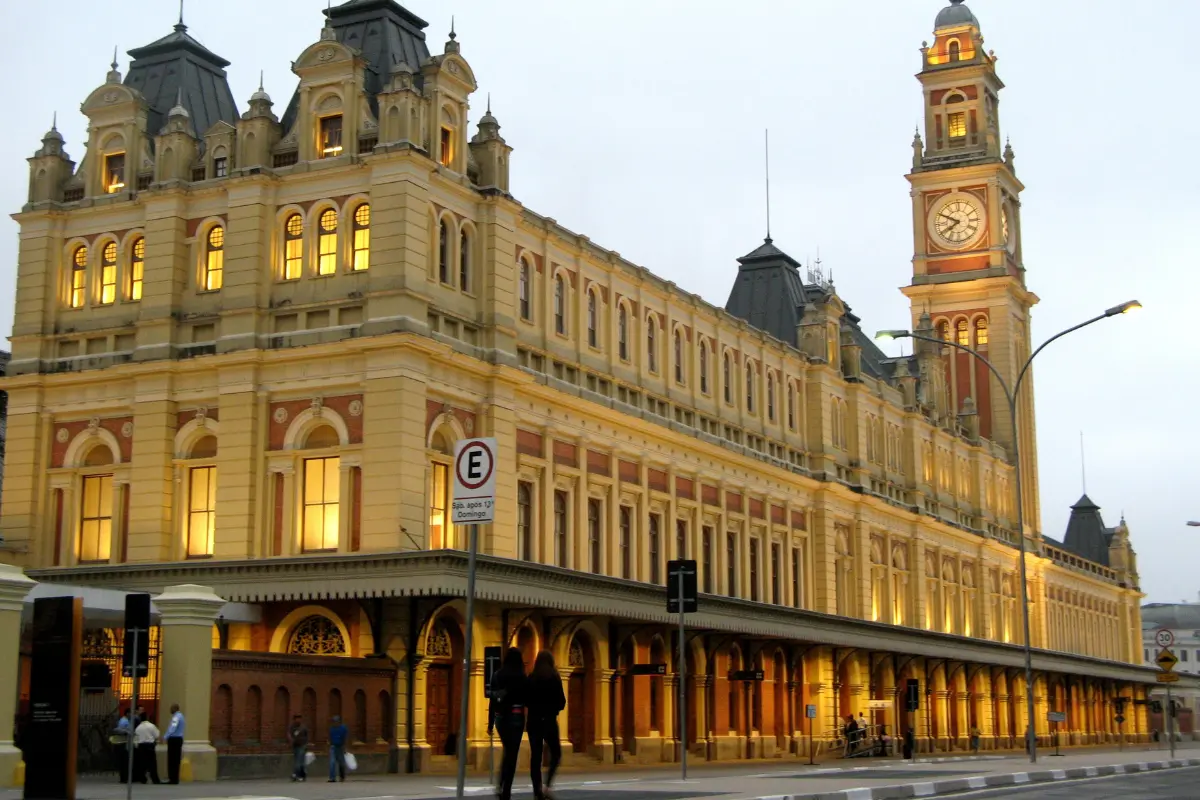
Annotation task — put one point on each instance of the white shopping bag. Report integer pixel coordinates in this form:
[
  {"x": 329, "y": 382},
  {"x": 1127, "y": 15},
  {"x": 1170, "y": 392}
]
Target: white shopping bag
[
  {"x": 351, "y": 762},
  {"x": 309, "y": 758}
]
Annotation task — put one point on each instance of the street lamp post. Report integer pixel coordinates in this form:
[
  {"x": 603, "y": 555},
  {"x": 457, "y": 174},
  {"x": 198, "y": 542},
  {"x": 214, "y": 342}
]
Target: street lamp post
[{"x": 1011, "y": 395}]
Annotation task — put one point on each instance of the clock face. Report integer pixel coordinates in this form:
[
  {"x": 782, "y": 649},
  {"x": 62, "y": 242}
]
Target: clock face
[
  {"x": 1010, "y": 239},
  {"x": 957, "y": 221}
]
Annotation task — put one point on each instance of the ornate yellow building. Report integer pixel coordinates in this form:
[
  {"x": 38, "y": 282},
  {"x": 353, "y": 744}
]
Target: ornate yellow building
[{"x": 245, "y": 346}]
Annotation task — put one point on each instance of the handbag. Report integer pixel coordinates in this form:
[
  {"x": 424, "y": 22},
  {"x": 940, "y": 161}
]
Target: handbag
[
  {"x": 351, "y": 762},
  {"x": 309, "y": 758}
]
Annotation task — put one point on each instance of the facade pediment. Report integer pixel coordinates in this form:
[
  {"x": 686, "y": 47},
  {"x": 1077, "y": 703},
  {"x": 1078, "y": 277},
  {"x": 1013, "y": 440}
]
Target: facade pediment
[{"x": 324, "y": 53}]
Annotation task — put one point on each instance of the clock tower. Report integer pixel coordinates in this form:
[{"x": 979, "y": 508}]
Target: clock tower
[{"x": 968, "y": 270}]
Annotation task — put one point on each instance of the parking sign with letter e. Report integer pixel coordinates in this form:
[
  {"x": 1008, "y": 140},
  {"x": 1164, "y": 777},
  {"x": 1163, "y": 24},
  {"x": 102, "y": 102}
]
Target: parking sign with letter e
[{"x": 474, "y": 497}]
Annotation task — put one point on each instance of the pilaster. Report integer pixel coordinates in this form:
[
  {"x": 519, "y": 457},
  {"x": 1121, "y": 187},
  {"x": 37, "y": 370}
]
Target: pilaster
[
  {"x": 13, "y": 588},
  {"x": 240, "y": 463},
  {"x": 152, "y": 470}
]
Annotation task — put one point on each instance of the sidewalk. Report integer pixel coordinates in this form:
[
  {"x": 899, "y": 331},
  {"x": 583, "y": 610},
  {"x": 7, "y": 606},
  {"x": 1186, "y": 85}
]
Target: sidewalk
[{"x": 760, "y": 780}]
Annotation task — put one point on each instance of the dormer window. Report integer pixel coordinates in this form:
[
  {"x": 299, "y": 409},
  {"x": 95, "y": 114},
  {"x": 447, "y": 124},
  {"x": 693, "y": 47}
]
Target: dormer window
[
  {"x": 220, "y": 167},
  {"x": 331, "y": 136},
  {"x": 114, "y": 173}
]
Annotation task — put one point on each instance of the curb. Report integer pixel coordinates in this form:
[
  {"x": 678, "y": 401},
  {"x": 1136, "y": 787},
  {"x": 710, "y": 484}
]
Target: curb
[{"x": 955, "y": 785}]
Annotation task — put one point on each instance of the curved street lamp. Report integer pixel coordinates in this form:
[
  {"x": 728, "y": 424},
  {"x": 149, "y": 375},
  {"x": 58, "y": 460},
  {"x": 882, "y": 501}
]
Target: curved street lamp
[{"x": 1011, "y": 395}]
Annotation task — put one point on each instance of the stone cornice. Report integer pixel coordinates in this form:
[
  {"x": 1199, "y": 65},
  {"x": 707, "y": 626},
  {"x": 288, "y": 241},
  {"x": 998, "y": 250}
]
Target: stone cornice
[{"x": 442, "y": 573}]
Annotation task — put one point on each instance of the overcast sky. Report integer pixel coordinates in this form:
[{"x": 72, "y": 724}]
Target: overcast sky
[{"x": 640, "y": 123}]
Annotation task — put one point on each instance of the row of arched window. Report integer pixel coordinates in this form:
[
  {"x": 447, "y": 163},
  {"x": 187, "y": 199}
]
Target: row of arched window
[
  {"x": 963, "y": 330},
  {"x": 324, "y": 249},
  {"x": 453, "y": 262},
  {"x": 117, "y": 275}
]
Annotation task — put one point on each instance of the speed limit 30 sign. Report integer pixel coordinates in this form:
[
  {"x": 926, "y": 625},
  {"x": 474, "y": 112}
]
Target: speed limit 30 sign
[
  {"x": 1164, "y": 637},
  {"x": 474, "y": 498}
]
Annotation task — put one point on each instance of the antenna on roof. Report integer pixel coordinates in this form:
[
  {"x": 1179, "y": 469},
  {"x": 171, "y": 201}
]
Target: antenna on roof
[
  {"x": 1082, "y": 463},
  {"x": 767, "y": 159},
  {"x": 180, "y": 12}
]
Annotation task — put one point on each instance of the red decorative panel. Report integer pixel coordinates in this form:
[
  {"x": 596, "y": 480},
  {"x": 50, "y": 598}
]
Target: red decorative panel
[
  {"x": 733, "y": 501},
  {"x": 599, "y": 463},
  {"x": 629, "y": 472},
  {"x": 957, "y": 265},
  {"x": 529, "y": 443},
  {"x": 778, "y": 515},
  {"x": 710, "y": 495},
  {"x": 291, "y": 408},
  {"x": 757, "y": 508},
  {"x": 657, "y": 480},
  {"x": 685, "y": 488},
  {"x": 114, "y": 425},
  {"x": 566, "y": 454},
  {"x": 433, "y": 408},
  {"x": 800, "y": 520}
]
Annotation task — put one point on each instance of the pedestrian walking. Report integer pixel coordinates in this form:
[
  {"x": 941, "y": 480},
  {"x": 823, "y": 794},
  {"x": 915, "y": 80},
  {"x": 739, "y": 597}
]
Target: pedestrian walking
[
  {"x": 145, "y": 760},
  {"x": 298, "y": 738},
  {"x": 506, "y": 713},
  {"x": 120, "y": 741},
  {"x": 174, "y": 737},
  {"x": 338, "y": 734},
  {"x": 975, "y": 739},
  {"x": 546, "y": 700},
  {"x": 851, "y": 734}
]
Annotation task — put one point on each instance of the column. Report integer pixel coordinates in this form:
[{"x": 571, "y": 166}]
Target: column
[
  {"x": 13, "y": 588},
  {"x": 564, "y": 719},
  {"x": 187, "y": 616},
  {"x": 603, "y": 716}
]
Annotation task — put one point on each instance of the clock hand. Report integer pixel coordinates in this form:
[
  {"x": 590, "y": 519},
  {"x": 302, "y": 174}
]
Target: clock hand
[{"x": 955, "y": 220}]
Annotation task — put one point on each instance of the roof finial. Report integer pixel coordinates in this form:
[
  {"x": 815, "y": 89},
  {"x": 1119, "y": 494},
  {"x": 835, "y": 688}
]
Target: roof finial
[
  {"x": 114, "y": 61},
  {"x": 489, "y": 108},
  {"x": 179, "y": 26},
  {"x": 453, "y": 35},
  {"x": 54, "y": 124},
  {"x": 260, "y": 80},
  {"x": 1082, "y": 463},
  {"x": 767, "y": 159}
]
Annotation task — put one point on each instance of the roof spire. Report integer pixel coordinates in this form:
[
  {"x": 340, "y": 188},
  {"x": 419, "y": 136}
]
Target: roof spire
[
  {"x": 179, "y": 26},
  {"x": 489, "y": 108},
  {"x": 114, "y": 61},
  {"x": 54, "y": 124},
  {"x": 453, "y": 35},
  {"x": 767, "y": 154},
  {"x": 114, "y": 75},
  {"x": 1082, "y": 463}
]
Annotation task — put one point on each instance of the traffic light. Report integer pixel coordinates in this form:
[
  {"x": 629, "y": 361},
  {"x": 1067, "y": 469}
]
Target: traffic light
[{"x": 913, "y": 694}]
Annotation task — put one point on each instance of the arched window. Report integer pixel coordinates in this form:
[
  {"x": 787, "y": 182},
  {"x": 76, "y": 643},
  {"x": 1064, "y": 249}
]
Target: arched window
[
  {"x": 679, "y": 357},
  {"x": 108, "y": 273},
  {"x": 137, "y": 268},
  {"x": 593, "y": 335},
  {"x": 961, "y": 334},
  {"x": 202, "y": 499},
  {"x": 327, "y": 242},
  {"x": 704, "y": 367},
  {"x": 981, "y": 332},
  {"x": 523, "y": 290},
  {"x": 444, "y": 252},
  {"x": 623, "y": 333},
  {"x": 750, "y": 388},
  {"x": 322, "y": 493},
  {"x": 442, "y": 533},
  {"x": 293, "y": 247},
  {"x": 214, "y": 259},
  {"x": 362, "y": 238},
  {"x": 560, "y": 305},
  {"x": 943, "y": 331},
  {"x": 464, "y": 260},
  {"x": 727, "y": 378},
  {"x": 955, "y": 50},
  {"x": 79, "y": 260},
  {"x": 317, "y": 636},
  {"x": 791, "y": 406},
  {"x": 651, "y": 344},
  {"x": 770, "y": 396}
]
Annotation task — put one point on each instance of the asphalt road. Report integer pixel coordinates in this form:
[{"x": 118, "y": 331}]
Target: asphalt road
[{"x": 1174, "y": 784}]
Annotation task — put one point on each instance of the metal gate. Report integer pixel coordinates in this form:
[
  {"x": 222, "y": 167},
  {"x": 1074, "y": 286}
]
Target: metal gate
[{"x": 104, "y": 695}]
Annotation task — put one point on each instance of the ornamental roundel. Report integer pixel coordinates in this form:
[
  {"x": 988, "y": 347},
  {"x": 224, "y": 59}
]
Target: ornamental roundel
[
  {"x": 356, "y": 408},
  {"x": 62, "y": 436},
  {"x": 317, "y": 636},
  {"x": 280, "y": 416},
  {"x": 127, "y": 430},
  {"x": 575, "y": 655}
]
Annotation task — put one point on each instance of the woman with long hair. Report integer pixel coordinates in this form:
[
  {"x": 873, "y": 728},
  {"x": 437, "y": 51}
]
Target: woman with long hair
[
  {"x": 506, "y": 714},
  {"x": 546, "y": 700}
]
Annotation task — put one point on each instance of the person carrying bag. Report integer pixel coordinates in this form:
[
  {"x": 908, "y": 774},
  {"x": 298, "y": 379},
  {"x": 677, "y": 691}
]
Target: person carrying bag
[{"x": 506, "y": 715}]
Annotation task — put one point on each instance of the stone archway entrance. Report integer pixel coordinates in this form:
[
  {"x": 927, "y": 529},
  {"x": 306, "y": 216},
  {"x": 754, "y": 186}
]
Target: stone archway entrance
[
  {"x": 581, "y": 694},
  {"x": 442, "y": 682}
]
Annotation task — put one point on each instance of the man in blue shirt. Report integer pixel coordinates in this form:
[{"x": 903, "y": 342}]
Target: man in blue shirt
[
  {"x": 174, "y": 737},
  {"x": 120, "y": 739},
  {"x": 338, "y": 734}
]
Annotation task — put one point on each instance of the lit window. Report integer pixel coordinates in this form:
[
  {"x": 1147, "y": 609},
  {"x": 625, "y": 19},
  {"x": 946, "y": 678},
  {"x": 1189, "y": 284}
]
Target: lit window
[
  {"x": 362, "y": 237},
  {"x": 591, "y": 320},
  {"x": 114, "y": 173},
  {"x": 960, "y": 333},
  {"x": 331, "y": 136},
  {"x": 202, "y": 511},
  {"x": 444, "y": 252},
  {"x": 464, "y": 261},
  {"x": 220, "y": 167},
  {"x": 327, "y": 242},
  {"x": 524, "y": 290},
  {"x": 441, "y": 534},
  {"x": 651, "y": 344},
  {"x": 446, "y": 155},
  {"x": 704, "y": 367},
  {"x": 958, "y": 125},
  {"x": 137, "y": 269},
  {"x": 214, "y": 259},
  {"x": 108, "y": 273},
  {"x": 679, "y": 358},
  {"x": 981, "y": 332},
  {"x": 95, "y": 524},
  {"x": 623, "y": 333},
  {"x": 293, "y": 247},
  {"x": 560, "y": 305},
  {"x": 79, "y": 276},
  {"x": 322, "y": 490}
]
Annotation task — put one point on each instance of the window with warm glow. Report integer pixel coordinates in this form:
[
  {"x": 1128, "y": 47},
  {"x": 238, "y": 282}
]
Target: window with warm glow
[
  {"x": 943, "y": 331},
  {"x": 362, "y": 238},
  {"x": 524, "y": 291},
  {"x": 955, "y": 51},
  {"x": 202, "y": 511},
  {"x": 137, "y": 269},
  {"x": 981, "y": 332},
  {"x": 464, "y": 261},
  {"x": 214, "y": 259},
  {"x": 331, "y": 136},
  {"x": 960, "y": 333},
  {"x": 114, "y": 173},
  {"x": 79, "y": 260},
  {"x": 327, "y": 242},
  {"x": 958, "y": 125},
  {"x": 441, "y": 534},
  {"x": 293, "y": 247},
  {"x": 322, "y": 491},
  {"x": 446, "y": 154},
  {"x": 560, "y": 305},
  {"x": 95, "y": 523},
  {"x": 108, "y": 273}
]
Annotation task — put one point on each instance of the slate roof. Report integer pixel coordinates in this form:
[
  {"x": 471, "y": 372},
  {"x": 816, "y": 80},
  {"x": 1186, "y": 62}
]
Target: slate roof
[
  {"x": 1086, "y": 534},
  {"x": 160, "y": 69},
  {"x": 1183, "y": 616},
  {"x": 386, "y": 33}
]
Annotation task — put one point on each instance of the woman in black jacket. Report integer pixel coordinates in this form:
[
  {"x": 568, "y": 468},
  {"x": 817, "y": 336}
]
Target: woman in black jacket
[
  {"x": 506, "y": 713},
  {"x": 546, "y": 699}
]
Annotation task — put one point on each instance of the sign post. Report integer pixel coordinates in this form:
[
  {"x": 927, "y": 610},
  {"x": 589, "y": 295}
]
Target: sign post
[
  {"x": 135, "y": 665},
  {"x": 810, "y": 711},
  {"x": 1056, "y": 717},
  {"x": 682, "y": 599},
  {"x": 473, "y": 502},
  {"x": 1166, "y": 661}
]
